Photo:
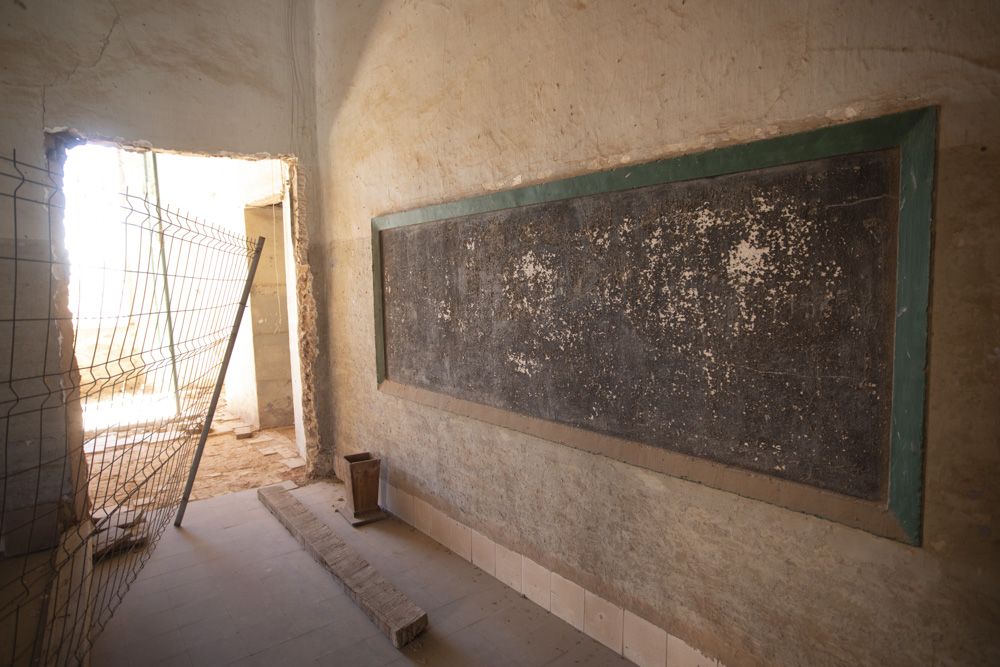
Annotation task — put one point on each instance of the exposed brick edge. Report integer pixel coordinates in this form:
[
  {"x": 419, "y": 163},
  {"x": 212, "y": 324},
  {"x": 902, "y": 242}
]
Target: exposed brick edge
[{"x": 389, "y": 609}]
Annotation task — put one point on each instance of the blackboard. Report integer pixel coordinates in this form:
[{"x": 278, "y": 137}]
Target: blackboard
[
  {"x": 755, "y": 319},
  {"x": 745, "y": 318}
]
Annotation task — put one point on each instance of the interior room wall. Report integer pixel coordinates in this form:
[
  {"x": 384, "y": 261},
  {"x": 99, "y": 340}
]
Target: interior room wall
[
  {"x": 269, "y": 320},
  {"x": 195, "y": 76},
  {"x": 419, "y": 103}
]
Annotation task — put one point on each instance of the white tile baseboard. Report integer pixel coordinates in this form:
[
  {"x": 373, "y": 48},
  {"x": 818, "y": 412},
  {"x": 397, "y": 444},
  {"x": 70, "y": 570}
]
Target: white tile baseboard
[{"x": 630, "y": 635}]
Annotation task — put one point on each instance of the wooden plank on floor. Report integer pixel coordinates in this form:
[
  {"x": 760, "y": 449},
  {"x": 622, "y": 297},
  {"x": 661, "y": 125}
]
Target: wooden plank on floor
[{"x": 391, "y": 611}]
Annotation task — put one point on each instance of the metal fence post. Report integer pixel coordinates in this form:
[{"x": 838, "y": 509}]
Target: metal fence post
[
  {"x": 218, "y": 384},
  {"x": 149, "y": 161}
]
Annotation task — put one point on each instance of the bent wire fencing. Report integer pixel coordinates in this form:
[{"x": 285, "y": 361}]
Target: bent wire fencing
[{"x": 108, "y": 376}]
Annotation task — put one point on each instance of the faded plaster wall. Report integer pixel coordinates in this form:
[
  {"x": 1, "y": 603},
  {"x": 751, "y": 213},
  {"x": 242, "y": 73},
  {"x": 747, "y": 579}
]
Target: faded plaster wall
[
  {"x": 198, "y": 76},
  {"x": 269, "y": 320},
  {"x": 427, "y": 102}
]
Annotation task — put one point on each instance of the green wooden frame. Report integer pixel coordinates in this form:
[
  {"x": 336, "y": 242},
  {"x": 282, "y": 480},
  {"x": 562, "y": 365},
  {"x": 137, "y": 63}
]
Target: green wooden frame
[{"x": 914, "y": 133}]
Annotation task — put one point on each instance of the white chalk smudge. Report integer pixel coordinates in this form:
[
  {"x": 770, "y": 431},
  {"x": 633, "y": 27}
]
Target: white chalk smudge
[
  {"x": 523, "y": 364},
  {"x": 444, "y": 311},
  {"x": 747, "y": 263}
]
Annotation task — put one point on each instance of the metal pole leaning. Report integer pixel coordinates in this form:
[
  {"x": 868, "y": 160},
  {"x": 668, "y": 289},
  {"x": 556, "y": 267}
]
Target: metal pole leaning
[
  {"x": 218, "y": 383},
  {"x": 166, "y": 284}
]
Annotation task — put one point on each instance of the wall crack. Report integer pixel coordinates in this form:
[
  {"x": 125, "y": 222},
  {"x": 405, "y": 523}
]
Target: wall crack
[
  {"x": 989, "y": 67},
  {"x": 105, "y": 42}
]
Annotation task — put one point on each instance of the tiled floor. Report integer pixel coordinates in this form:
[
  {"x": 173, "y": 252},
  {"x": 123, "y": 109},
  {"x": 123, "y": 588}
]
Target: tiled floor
[{"x": 233, "y": 587}]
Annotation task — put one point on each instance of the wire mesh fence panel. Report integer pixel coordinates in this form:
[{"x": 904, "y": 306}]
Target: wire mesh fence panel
[{"x": 106, "y": 376}]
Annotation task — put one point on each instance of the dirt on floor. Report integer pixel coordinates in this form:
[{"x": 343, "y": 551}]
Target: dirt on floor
[
  {"x": 140, "y": 467},
  {"x": 230, "y": 464}
]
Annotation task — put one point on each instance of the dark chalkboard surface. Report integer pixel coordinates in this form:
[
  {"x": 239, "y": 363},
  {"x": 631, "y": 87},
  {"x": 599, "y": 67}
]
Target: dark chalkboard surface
[{"x": 746, "y": 319}]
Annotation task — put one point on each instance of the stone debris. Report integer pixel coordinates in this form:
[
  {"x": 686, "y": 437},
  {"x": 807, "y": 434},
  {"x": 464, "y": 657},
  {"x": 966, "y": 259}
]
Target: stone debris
[{"x": 118, "y": 532}]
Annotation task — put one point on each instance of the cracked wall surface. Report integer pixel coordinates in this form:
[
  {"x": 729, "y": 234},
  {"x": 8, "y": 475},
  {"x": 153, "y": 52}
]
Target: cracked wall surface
[{"x": 420, "y": 103}]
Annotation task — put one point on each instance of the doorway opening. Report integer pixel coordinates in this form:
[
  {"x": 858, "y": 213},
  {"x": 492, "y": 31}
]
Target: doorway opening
[{"x": 258, "y": 435}]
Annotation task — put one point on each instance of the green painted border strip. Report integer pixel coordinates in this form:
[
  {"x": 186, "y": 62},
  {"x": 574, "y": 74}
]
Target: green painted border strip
[
  {"x": 377, "y": 298},
  {"x": 914, "y": 132},
  {"x": 913, "y": 262}
]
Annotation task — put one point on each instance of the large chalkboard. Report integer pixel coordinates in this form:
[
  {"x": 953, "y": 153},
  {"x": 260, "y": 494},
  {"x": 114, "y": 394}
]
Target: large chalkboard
[{"x": 746, "y": 319}]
